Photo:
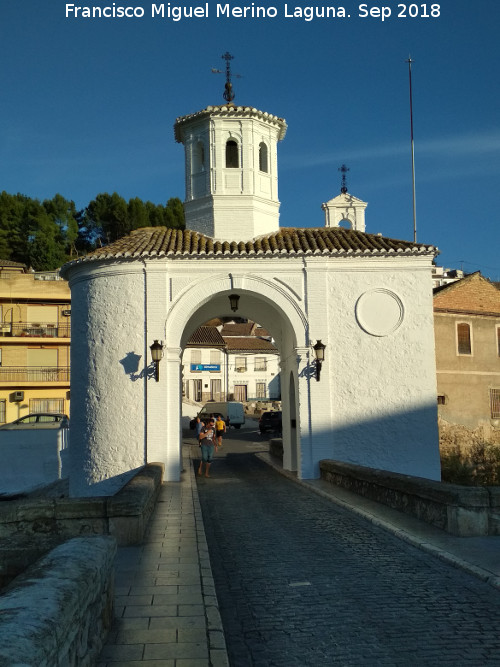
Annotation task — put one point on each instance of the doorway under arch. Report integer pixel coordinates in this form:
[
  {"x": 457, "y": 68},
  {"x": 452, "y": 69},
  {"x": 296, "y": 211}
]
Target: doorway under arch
[{"x": 260, "y": 301}]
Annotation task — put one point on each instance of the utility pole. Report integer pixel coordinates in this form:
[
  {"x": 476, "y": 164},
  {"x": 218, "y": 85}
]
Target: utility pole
[{"x": 410, "y": 61}]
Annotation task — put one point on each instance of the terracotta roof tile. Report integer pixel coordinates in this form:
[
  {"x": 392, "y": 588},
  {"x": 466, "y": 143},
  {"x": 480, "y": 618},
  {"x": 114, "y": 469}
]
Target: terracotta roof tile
[
  {"x": 206, "y": 337},
  {"x": 473, "y": 294},
  {"x": 165, "y": 242},
  {"x": 238, "y": 329},
  {"x": 249, "y": 344}
]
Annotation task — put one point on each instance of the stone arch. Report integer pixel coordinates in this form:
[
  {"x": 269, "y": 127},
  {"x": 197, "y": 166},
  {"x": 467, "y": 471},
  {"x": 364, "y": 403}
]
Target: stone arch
[{"x": 262, "y": 300}]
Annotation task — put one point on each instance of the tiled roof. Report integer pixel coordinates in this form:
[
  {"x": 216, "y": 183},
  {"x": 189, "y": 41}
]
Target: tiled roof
[
  {"x": 249, "y": 344},
  {"x": 9, "y": 263},
  {"x": 473, "y": 295},
  {"x": 232, "y": 111},
  {"x": 286, "y": 242},
  {"x": 206, "y": 337},
  {"x": 238, "y": 328}
]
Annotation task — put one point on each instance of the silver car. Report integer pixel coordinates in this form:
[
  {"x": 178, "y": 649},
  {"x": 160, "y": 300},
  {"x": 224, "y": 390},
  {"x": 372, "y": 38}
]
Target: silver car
[{"x": 38, "y": 420}]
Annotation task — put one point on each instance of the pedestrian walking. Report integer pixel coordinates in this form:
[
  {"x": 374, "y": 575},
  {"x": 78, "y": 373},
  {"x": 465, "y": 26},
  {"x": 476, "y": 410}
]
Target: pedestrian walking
[
  {"x": 208, "y": 445},
  {"x": 198, "y": 425},
  {"x": 220, "y": 429}
]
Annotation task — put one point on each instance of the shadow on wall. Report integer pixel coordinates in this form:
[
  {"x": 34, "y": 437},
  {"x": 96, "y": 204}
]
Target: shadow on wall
[
  {"x": 405, "y": 442},
  {"x": 130, "y": 363}
]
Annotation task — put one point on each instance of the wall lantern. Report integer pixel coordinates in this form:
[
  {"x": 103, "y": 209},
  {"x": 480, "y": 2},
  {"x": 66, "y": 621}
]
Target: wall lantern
[
  {"x": 319, "y": 351},
  {"x": 157, "y": 355},
  {"x": 233, "y": 300}
]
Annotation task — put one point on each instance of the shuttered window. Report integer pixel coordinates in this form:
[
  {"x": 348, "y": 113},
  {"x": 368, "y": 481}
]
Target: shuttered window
[
  {"x": 495, "y": 403},
  {"x": 464, "y": 338}
]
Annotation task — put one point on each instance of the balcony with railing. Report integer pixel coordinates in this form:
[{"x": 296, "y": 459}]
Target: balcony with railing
[
  {"x": 35, "y": 330},
  {"x": 34, "y": 374}
]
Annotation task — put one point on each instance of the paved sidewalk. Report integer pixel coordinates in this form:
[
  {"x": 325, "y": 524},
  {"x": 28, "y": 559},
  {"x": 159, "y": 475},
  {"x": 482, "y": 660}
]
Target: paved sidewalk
[
  {"x": 165, "y": 604},
  {"x": 479, "y": 556}
]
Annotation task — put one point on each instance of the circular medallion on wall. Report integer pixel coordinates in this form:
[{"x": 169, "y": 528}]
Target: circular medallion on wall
[{"x": 379, "y": 312}]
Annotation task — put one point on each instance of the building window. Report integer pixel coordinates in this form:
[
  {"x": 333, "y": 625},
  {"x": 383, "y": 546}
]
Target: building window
[
  {"x": 263, "y": 157},
  {"x": 464, "y": 338},
  {"x": 260, "y": 364},
  {"x": 240, "y": 393},
  {"x": 199, "y": 158},
  {"x": 260, "y": 390},
  {"x": 498, "y": 341},
  {"x": 53, "y": 405},
  {"x": 441, "y": 400},
  {"x": 215, "y": 390},
  {"x": 240, "y": 364},
  {"x": 198, "y": 389},
  {"x": 232, "y": 157},
  {"x": 196, "y": 356},
  {"x": 495, "y": 403},
  {"x": 214, "y": 356},
  {"x": 2, "y": 411}
]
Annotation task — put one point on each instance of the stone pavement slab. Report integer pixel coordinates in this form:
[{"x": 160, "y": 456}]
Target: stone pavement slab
[{"x": 166, "y": 611}]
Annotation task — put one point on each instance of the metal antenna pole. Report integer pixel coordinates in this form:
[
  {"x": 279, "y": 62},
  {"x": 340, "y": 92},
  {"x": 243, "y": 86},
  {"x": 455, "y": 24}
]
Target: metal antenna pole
[{"x": 410, "y": 61}]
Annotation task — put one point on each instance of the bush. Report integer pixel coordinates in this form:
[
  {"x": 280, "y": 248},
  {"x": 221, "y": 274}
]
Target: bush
[{"x": 476, "y": 464}]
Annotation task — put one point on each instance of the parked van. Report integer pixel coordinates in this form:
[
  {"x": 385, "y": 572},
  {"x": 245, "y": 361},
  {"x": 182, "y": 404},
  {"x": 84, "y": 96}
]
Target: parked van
[{"x": 231, "y": 409}]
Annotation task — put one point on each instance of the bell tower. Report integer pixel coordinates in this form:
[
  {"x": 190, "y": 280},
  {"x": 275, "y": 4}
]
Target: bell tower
[
  {"x": 345, "y": 207},
  {"x": 231, "y": 168}
]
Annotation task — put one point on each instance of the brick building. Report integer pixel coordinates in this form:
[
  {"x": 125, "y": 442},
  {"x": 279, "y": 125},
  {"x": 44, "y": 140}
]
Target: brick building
[{"x": 467, "y": 334}]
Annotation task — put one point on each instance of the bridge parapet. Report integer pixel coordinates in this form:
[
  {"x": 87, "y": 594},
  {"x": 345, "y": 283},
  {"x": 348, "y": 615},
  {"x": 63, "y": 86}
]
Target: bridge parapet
[
  {"x": 459, "y": 510},
  {"x": 59, "y": 611}
]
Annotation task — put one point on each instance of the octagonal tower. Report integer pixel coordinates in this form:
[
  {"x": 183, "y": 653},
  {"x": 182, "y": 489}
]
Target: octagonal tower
[{"x": 231, "y": 171}]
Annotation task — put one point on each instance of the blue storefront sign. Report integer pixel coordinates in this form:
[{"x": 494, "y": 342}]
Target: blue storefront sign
[{"x": 205, "y": 367}]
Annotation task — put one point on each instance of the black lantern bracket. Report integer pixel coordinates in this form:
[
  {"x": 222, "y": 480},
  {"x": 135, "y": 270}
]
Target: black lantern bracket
[
  {"x": 157, "y": 355},
  {"x": 319, "y": 353}
]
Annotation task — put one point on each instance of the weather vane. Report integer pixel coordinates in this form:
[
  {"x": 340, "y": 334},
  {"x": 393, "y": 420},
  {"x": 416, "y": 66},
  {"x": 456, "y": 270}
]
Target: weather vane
[
  {"x": 228, "y": 88},
  {"x": 343, "y": 186}
]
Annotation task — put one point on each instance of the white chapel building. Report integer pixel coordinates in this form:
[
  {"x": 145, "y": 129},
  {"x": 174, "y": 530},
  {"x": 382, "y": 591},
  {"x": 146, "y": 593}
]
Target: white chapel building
[{"x": 366, "y": 297}]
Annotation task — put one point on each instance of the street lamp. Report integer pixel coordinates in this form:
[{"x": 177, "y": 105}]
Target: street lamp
[
  {"x": 233, "y": 300},
  {"x": 319, "y": 351},
  {"x": 157, "y": 355}
]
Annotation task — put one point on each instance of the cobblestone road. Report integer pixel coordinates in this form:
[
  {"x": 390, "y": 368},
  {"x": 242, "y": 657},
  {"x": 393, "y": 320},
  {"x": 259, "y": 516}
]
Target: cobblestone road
[{"x": 301, "y": 581}]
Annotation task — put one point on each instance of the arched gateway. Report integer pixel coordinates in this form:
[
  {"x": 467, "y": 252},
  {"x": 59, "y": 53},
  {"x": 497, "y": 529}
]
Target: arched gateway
[{"x": 368, "y": 298}]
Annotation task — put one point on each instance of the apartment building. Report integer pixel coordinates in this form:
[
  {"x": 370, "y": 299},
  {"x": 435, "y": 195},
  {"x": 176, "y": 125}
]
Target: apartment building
[{"x": 35, "y": 316}]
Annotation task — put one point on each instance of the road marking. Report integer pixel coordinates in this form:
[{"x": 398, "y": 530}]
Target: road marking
[{"x": 294, "y": 584}]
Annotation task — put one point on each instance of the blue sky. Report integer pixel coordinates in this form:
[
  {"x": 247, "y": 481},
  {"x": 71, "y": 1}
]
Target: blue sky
[{"x": 88, "y": 106}]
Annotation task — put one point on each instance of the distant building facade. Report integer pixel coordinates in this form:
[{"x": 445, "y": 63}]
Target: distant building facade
[
  {"x": 253, "y": 363},
  {"x": 35, "y": 327},
  {"x": 204, "y": 366},
  {"x": 467, "y": 334},
  {"x": 235, "y": 361}
]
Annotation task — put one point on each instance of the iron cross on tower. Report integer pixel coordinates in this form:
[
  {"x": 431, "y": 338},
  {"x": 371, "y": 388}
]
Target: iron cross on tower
[
  {"x": 343, "y": 185},
  {"x": 228, "y": 88}
]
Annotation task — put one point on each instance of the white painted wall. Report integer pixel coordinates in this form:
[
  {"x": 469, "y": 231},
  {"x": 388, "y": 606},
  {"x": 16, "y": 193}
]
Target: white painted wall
[
  {"x": 32, "y": 457},
  {"x": 375, "y": 403},
  {"x": 109, "y": 365}
]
